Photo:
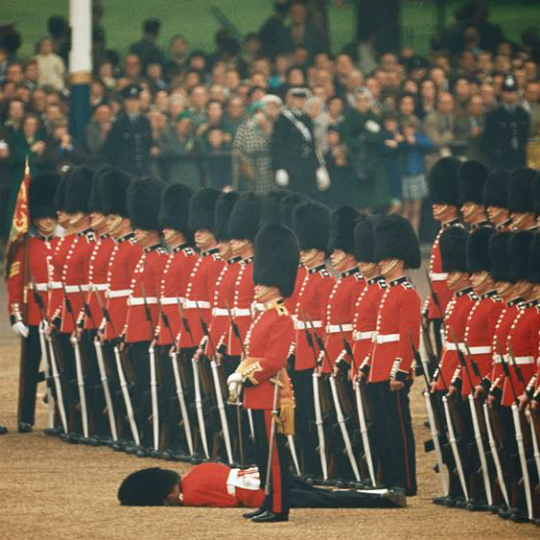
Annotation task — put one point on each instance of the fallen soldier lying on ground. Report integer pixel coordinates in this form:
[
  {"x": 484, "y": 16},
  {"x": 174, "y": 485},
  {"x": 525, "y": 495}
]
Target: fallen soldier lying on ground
[{"x": 217, "y": 485}]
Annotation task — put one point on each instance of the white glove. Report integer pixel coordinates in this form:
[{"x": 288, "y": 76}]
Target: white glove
[
  {"x": 323, "y": 179},
  {"x": 20, "y": 329},
  {"x": 282, "y": 178},
  {"x": 234, "y": 383}
]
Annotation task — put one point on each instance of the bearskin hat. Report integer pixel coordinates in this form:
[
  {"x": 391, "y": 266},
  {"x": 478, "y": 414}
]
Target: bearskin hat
[
  {"x": 201, "y": 209},
  {"x": 41, "y": 195},
  {"x": 395, "y": 239},
  {"x": 222, "y": 213},
  {"x": 364, "y": 239},
  {"x": 276, "y": 259},
  {"x": 245, "y": 217},
  {"x": 143, "y": 201},
  {"x": 113, "y": 186},
  {"x": 287, "y": 205},
  {"x": 270, "y": 206},
  {"x": 471, "y": 181},
  {"x": 496, "y": 188},
  {"x": 311, "y": 224},
  {"x": 147, "y": 487},
  {"x": 519, "y": 247},
  {"x": 500, "y": 262},
  {"x": 95, "y": 204},
  {"x": 174, "y": 208},
  {"x": 342, "y": 224},
  {"x": 60, "y": 194},
  {"x": 534, "y": 260},
  {"x": 78, "y": 189},
  {"x": 520, "y": 191},
  {"x": 453, "y": 246},
  {"x": 477, "y": 250},
  {"x": 443, "y": 181}
]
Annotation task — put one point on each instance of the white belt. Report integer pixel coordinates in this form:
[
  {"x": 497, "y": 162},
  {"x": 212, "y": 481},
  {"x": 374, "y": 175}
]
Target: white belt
[
  {"x": 43, "y": 287},
  {"x": 99, "y": 287},
  {"x": 76, "y": 288},
  {"x": 360, "y": 336},
  {"x": 302, "y": 325},
  {"x": 386, "y": 338},
  {"x": 496, "y": 358},
  {"x": 486, "y": 349},
  {"x": 520, "y": 360},
  {"x": 435, "y": 276},
  {"x": 454, "y": 346},
  {"x": 171, "y": 300},
  {"x": 194, "y": 304},
  {"x": 55, "y": 285},
  {"x": 141, "y": 301},
  {"x": 241, "y": 312},
  {"x": 219, "y": 312},
  {"x": 118, "y": 294},
  {"x": 335, "y": 328}
]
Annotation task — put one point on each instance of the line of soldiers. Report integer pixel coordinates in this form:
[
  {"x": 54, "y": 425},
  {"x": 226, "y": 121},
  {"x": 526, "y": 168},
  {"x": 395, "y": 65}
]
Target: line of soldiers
[
  {"x": 482, "y": 377},
  {"x": 205, "y": 325}
]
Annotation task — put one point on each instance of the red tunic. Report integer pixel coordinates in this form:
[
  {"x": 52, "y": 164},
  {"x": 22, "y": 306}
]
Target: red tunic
[
  {"x": 311, "y": 303},
  {"x": 300, "y": 275},
  {"x": 98, "y": 264},
  {"x": 269, "y": 340},
  {"x": 75, "y": 277},
  {"x": 479, "y": 332},
  {"x": 145, "y": 287},
  {"x": 199, "y": 296},
  {"x": 174, "y": 280},
  {"x": 339, "y": 315},
  {"x": 522, "y": 342},
  {"x": 124, "y": 257},
  {"x": 39, "y": 252},
  {"x": 57, "y": 261},
  {"x": 438, "y": 279},
  {"x": 218, "y": 486},
  {"x": 244, "y": 296},
  {"x": 397, "y": 322},
  {"x": 366, "y": 311},
  {"x": 222, "y": 305},
  {"x": 457, "y": 311}
]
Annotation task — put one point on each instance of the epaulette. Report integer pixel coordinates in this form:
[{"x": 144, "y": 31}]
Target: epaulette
[
  {"x": 216, "y": 257},
  {"x": 132, "y": 241},
  {"x": 324, "y": 273},
  {"x": 282, "y": 310},
  {"x": 382, "y": 284},
  {"x": 473, "y": 296},
  {"x": 359, "y": 277},
  {"x": 189, "y": 251},
  {"x": 407, "y": 285}
]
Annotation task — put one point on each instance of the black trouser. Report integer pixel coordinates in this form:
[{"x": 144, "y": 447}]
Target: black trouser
[
  {"x": 29, "y": 376},
  {"x": 306, "y": 430},
  {"x": 393, "y": 436},
  {"x": 278, "y": 498}
]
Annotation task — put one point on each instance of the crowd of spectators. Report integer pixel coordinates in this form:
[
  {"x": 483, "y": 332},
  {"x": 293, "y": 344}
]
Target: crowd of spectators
[{"x": 211, "y": 114}]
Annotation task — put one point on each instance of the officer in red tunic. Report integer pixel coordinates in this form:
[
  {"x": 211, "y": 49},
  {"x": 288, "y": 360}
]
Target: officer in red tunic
[
  {"x": 390, "y": 375},
  {"x": 74, "y": 285},
  {"x": 173, "y": 221},
  {"x": 472, "y": 177},
  {"x": 267, "y": 388},
  {"x": 143, "y": 202},
  {"x": 311, "y": 224},
  {"x": 444, "y": 194},
  {"x": 24, "y": 312},
  {"x": 113, "y": 187},
  {"x": 521, "y": 199},
  {"x": 495, "y": 199}
]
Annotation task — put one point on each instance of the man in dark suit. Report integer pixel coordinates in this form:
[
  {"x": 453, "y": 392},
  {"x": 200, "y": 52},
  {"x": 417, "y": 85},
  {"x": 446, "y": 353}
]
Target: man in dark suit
[
  {"x": 129, "y": 141},
  {"x": 294, "y": 158},
  {"x": 507, "y": 130}
]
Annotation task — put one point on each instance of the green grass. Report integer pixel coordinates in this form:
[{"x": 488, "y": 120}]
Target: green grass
[{"x": 122, "y": 19}]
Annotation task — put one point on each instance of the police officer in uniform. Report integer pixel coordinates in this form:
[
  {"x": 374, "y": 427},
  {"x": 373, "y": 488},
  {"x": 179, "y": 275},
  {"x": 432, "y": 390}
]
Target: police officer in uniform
[
  {"x": 129, "y": 141},
  {"x": 507, "y": 130}
]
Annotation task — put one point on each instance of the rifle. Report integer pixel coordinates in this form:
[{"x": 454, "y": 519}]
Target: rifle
[
  {"x": 360, "y": 410},
  {"x": 101, "y": 367},
  {"x": 435, "y": 435},
  {"x": 177, "y": 380},
  {"x": 121, "y": 375},
  {"x": 78, "y": 364}
]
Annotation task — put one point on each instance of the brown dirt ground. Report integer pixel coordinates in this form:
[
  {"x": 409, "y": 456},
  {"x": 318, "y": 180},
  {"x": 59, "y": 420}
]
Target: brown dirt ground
[{"x": 51, "y": 490}]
